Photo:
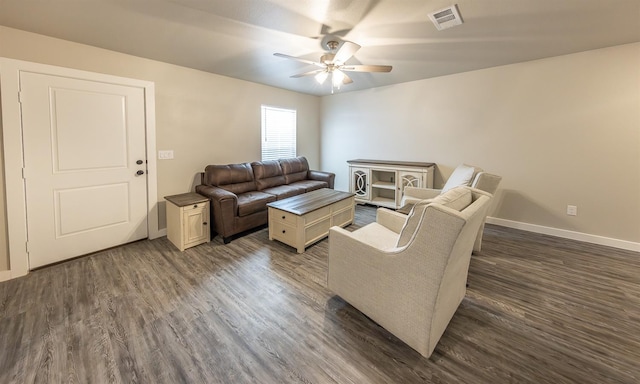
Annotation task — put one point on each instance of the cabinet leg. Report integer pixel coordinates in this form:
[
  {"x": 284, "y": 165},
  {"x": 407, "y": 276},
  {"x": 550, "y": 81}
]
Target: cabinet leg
[{"x": 226, "y": 240}]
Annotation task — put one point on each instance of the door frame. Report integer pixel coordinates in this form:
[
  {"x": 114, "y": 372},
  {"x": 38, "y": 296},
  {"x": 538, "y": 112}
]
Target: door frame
[{"x": 16, "y": 214}]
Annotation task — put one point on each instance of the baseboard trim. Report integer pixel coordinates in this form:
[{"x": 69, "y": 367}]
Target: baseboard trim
[
  {"x": 5, "y": 275},
  {"x": 579, "y": 236},
  {"x": 159, "y": 234}
]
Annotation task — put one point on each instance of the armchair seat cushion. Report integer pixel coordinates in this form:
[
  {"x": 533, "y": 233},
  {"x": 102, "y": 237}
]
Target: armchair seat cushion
[
  {"x": 377, "y": 236},
  {"x": 251, "y": 202}
]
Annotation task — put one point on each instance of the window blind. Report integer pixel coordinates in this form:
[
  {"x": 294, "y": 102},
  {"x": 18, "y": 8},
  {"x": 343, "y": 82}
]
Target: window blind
[{"x": 278, "y": 133}]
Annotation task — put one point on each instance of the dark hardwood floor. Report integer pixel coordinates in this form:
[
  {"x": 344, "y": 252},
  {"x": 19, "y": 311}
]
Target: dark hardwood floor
[{"x": 538, "y": 310}]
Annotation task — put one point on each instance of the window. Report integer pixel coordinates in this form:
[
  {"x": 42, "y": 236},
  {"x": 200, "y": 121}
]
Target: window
[{"x": 278, "y": 133}]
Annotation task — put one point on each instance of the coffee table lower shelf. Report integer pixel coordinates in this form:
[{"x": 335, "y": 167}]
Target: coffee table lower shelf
[{"x": 302, "y": 230}]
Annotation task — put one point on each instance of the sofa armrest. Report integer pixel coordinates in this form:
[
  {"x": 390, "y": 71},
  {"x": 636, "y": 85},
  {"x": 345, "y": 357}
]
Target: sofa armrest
[
  {"x": 390, "y": 219},
  {"x": 224, "y": 205},
  {"x": 215, "y": 193},
  {"x": 328, "y": 177}
]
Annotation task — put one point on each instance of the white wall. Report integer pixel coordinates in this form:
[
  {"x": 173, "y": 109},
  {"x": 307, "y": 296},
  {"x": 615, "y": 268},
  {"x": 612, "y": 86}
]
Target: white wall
[
  {"x": 204, "y": 118},
  {"x": 563, "y": 130}
]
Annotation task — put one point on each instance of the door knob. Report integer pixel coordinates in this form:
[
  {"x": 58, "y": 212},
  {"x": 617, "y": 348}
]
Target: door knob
[{"x": 139, "y": 173}]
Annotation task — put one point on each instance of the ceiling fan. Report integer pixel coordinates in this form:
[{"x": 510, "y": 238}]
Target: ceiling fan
[{"x": 333, "y": 63}]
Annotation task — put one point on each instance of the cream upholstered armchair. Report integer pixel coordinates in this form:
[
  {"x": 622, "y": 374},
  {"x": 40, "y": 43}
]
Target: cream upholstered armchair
[
  {"x": 468, "y": 175},
  {"x": 408, "y": 272}
]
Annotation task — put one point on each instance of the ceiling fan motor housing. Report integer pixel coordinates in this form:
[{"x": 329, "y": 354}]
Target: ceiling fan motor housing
[{"x": 332, "y": 45}]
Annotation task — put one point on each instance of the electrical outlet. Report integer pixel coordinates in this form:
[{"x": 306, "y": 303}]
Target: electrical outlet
[
  {"x": 165, "y": 155},
  {"x": 572, "y": 210}
]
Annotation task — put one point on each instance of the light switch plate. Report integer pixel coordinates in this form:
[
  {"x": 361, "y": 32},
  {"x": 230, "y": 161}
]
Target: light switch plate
[{"x": 165, "y": 155}]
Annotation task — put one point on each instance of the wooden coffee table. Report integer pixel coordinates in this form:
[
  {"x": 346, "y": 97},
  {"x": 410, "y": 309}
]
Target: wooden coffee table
[{"x": 300, "y": 221}]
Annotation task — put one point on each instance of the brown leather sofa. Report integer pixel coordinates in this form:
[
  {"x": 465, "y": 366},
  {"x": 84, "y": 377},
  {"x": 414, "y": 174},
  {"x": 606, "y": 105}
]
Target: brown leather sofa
[{"x": 239, "y": 193}]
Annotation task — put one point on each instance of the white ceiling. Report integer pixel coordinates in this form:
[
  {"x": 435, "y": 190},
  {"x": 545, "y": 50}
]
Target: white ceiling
[{"x": 237, "y": 38}]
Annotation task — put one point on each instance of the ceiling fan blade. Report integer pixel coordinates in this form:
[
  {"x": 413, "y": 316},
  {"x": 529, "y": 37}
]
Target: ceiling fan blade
[
  {"x": 310, "y": 73},
  {"x": 366, "y": 68},
  {"x": 299, "y": 59},
  {"x": 346, "y": 50},
  {"x": 347, "y": 79}
]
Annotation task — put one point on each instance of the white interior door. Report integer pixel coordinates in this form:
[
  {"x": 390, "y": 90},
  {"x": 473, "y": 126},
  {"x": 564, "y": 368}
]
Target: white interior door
[{"x": 84, "y": 150}]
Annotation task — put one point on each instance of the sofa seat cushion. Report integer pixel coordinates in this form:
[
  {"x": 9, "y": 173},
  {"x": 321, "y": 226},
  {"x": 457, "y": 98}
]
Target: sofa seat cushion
[
  {"x": 284, "y": 191},
  {"x": 252, "y": 202},
  {"x": 295, "y": 169},
  {"x": 310, "y": 185},
  {"x": 268, "y": 174}
]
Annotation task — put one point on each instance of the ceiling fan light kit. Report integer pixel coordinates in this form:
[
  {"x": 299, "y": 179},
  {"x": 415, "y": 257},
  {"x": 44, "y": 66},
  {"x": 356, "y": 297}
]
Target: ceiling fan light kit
[
  {"x": 333, "y": 63},
  {"x": 337, "y": 77},
  {"x": 321, "y": 77}
]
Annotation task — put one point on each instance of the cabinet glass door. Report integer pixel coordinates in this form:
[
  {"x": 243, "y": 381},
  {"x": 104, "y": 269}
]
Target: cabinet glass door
[
  {"x": 360, "y": 183},
  {"x": 409, "y": 179}
]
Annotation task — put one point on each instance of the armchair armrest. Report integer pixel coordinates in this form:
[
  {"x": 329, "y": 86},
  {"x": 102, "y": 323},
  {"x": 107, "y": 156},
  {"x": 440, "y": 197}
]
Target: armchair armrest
[
  {"x": 487, "y": 182},
  {"x": 390, "y": 219},
  {"x": 414, "y": 194},
  {"x": 328, "y": 177}
]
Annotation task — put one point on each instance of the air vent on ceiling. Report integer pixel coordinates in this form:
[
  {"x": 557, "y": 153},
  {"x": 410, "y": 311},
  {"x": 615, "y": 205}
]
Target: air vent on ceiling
[{"x": 446, "y": 18}]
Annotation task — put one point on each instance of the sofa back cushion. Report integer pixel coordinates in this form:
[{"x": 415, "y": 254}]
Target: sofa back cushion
[
  {"x": 267, "y": 174},
  {"x": 457, "y": 198},
  {"x": 294, "y": 169},
  {"x": 235, "y": 178}
]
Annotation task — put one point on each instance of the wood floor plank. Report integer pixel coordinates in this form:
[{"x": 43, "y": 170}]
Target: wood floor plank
[{"x": 538, "y": 309}]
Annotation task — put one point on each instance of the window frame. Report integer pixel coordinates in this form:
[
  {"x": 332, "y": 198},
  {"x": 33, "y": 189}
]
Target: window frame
[{"x": 285, "y": 135}]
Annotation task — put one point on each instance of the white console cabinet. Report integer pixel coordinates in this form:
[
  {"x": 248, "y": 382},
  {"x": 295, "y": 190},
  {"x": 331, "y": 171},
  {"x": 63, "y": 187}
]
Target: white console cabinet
[{"x": 382, "y": 183}]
